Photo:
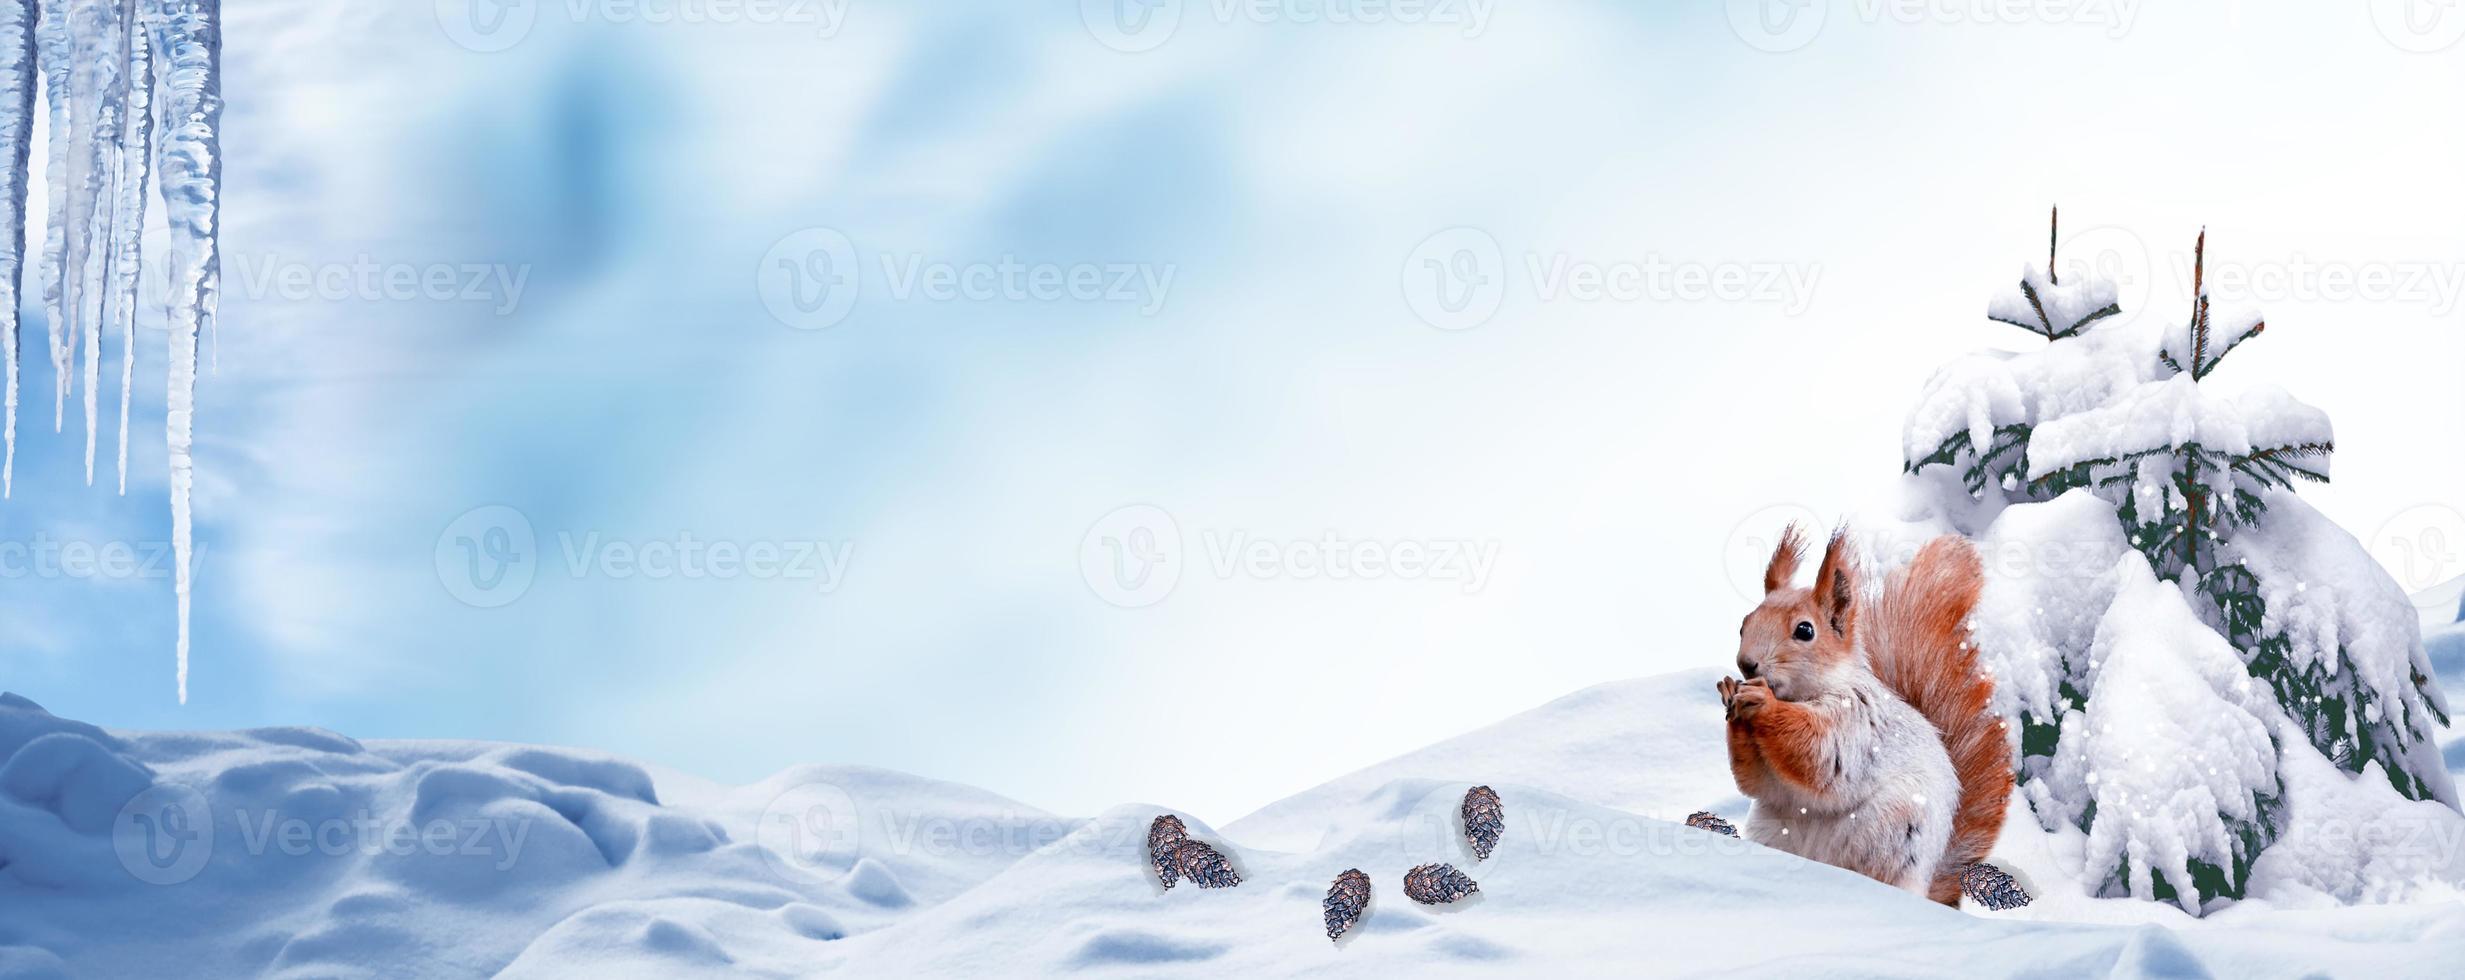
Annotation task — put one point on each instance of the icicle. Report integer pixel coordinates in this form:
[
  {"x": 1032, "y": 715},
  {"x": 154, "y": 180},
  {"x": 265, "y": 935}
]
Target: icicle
[
  {"x": 19, "y": 74},
  {"x": 129, "y": 211},
  {"x": 98, "y": 96},
  {"x": 188, "y": 39},
  {"x": 55, "y": 48}
]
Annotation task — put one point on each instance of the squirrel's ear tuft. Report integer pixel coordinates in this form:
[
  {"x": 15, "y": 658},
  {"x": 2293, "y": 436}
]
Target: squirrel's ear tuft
[
  {"x": 1792, "y": 549},
  {"x": 1836, "y": 584}
]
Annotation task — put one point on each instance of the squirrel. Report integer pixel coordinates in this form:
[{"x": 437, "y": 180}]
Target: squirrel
[{"x": 1862, "y": 729}]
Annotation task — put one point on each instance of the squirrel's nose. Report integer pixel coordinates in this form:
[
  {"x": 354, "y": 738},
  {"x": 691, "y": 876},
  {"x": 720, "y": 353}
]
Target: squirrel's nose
[{"x": 1746, "y": 668}]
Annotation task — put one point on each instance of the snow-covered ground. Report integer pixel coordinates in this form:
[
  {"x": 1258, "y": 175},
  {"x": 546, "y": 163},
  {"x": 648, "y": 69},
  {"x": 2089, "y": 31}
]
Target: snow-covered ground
[{"x": 295, "y": 852}]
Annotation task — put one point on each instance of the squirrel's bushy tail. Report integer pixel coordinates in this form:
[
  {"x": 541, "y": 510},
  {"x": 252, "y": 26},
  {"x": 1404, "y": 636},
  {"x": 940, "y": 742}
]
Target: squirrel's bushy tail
[{"x": 1917, "y": 643}]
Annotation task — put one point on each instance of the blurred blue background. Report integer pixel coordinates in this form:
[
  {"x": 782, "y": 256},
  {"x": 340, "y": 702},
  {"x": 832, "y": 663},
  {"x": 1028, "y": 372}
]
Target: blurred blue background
[{"x": 1009, "y": 330}]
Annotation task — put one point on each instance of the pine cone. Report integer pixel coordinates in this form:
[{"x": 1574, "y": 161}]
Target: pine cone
[
  {"x": 1165, "y": 832},
  {"x": 1346, "y": 900},
  {"x": 1707, "y": 820},
  {"x": 1484, "y": 819},
  {"x": 1438, "y": 884},
  {"x": 1200, "y": 863},
  {"x": 1992, "y": 887}
]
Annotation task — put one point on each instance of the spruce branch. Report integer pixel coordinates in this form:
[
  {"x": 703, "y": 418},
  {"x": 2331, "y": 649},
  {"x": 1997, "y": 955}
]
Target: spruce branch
[
  {"x": 2054, "y": 226},
  {"x": 2199, "y": 306}
]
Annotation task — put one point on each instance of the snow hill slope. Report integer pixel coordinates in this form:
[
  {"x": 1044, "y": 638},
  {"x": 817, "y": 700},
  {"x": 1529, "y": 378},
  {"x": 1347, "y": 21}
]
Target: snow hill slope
[
  {"x": 1653, "y": 746},
  {"x": 299, "y": 853}
]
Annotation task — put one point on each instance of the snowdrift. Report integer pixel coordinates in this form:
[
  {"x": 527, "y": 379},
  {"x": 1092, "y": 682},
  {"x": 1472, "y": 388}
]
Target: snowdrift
[{"x": 296, "y": 852}]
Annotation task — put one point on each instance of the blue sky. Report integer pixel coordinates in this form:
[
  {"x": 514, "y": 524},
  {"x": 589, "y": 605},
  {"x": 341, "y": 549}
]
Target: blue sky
[{"x": 917, "y": 301}]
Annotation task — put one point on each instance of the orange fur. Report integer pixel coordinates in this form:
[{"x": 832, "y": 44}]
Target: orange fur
[
  {"x": 1917, "y": 645},
  {"x": 1783, "y": 567},
  {"x": 1788, "y": 740}
]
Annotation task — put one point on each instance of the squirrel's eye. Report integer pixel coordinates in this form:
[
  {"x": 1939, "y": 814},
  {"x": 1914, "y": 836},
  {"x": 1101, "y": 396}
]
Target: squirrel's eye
[{"x": 1805, "y": 632}]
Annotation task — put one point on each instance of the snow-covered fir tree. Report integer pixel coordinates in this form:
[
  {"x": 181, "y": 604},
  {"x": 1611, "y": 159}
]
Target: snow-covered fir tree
[{"x": 2165, "y": 617}]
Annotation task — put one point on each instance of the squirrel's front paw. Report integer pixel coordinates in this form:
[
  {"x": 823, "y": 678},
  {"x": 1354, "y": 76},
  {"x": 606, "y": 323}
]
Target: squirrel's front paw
[
  {"x": 1728, "y": 691},
  {"x": 1747, "y": 699}
]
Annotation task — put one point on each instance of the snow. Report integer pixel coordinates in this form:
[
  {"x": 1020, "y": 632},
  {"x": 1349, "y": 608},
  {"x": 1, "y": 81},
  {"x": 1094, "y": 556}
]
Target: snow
[
  {"x": 1981, "y": 392},
  {"x": 561, "y": 863},
  {"x": 2050, "y": 574},
  {"x": 2328, "y": 595},
  {"x": 2038, "y": 304},
  {"x": 2171, "y": 749},
  {"x": 2178, "y": 412}
]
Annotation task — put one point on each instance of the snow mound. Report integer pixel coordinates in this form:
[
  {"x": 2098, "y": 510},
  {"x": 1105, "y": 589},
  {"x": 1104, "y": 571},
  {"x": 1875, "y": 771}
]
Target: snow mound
[
  {"x": 1653, "y": 746},
  {"x": 324, "y": 857}
]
